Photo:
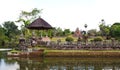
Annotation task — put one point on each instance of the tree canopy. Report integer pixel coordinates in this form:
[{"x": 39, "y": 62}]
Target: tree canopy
[
  {"x": 105, "y": 29},
  {"x": 115, "y": 30},
  {"x": 27, "y": 17},
  {"x": 10, "y": 29}
]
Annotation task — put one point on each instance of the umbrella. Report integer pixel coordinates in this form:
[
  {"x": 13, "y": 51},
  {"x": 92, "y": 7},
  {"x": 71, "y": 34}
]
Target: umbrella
[{"x": 39, "y": 24}]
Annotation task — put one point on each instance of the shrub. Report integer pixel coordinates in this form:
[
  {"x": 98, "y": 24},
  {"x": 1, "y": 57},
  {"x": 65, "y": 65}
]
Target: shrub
[
  {"x": 117, "y": 38},
  {"x": 91, "y": 40},
  {"x": 98, "y": 39},
  {"x": 69, "y": 39},
  {"x": 79, "y": 39}
]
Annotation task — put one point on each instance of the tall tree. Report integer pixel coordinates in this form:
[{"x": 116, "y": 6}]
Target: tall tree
[
  {"x": 26, "y": 18},
  {"x": 11, "y": 30},
  {"x": 105, "y": 29},
  {"x": 2, "y": 32},
  {"x": 85, "y": 28},
  {"x": 115, "y": 30},
  {"x": 59, "y": 31},
  {"x": 67, "y": 32},
  {"x": 2, "y": 36}
]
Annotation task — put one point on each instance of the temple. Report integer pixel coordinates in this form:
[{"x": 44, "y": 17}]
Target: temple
[{"x": 77, "y": 33}]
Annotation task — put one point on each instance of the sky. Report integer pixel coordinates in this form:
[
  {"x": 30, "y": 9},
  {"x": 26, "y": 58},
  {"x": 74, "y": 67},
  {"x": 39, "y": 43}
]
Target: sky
[{"x": 66, "y": 14}]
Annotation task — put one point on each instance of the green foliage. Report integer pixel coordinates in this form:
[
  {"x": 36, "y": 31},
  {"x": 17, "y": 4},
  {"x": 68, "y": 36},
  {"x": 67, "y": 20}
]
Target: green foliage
[
  {"x": 11, "y": 30},
  {"x": 69, "y": 39},
  {"x": 26, "y": 18},
  {"x": 92, "y": 32},
  {"x": 98, "y": 39},
  {"x": 58, "y": 32},
  {"x": 105, "y": 29},
  {"x": 9, "y": 34},
  {"x": 117, "y": 38},
  {"x": 79, "y": 39},
  {"x": 2, "y": 33},
  {"x": 50, "y": 33},
  {"x": 115, "y": 30},
  {"x": 66, "y": 32},
  {"x": 117, "y": 23}
]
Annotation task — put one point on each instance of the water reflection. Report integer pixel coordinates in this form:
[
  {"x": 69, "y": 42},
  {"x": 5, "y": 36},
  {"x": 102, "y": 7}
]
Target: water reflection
[
  {"x": 8, "y": 66},
  {"x": 53, "y": 63}
]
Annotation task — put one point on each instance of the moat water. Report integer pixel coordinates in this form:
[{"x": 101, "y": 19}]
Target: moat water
[{"x": 58, "y": 63}]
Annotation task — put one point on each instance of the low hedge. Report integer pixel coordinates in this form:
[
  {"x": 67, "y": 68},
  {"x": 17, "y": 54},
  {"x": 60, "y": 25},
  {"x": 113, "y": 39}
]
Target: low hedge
[{"x": 98, "y": 39}]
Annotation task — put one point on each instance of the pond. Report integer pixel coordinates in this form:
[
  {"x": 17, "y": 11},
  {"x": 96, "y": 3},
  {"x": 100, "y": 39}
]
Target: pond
[{"x": 58, "y": 63}]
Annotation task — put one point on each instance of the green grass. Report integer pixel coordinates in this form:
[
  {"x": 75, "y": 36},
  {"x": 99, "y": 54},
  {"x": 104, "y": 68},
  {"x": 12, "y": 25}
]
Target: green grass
[
  {"x": 15, "y": 51},
  {"x": 82, "y": 50},
  {"x": 66, "y": 51},
  {"x": 56, "y": 38}
]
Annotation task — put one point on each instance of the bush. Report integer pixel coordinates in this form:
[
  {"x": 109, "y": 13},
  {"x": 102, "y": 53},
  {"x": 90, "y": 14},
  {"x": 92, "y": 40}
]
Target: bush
[
  {"x": 69, "y": 39},
  {"x": 117, "y": 38},
  {"x": 98, "y": 39},
  {"x": 79, "y": 39}
]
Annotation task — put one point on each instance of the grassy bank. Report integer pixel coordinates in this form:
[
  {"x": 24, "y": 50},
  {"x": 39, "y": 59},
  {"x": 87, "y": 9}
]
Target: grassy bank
[
  {"x": 49, "y": 50},
  {"x": 73, "y": 53},
  {"x": 81, "y": 53}
]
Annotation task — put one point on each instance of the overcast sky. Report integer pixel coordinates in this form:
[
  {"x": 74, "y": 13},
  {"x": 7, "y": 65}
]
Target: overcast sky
[{"x": 65, "y": 13}]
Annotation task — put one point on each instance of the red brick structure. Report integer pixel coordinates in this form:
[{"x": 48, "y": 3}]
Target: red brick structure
[{"x": 77, "y": 33}]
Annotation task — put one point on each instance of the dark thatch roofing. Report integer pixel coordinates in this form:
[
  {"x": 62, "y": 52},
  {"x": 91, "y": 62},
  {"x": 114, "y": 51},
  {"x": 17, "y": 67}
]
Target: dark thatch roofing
[{"x": 39, "y": 24}]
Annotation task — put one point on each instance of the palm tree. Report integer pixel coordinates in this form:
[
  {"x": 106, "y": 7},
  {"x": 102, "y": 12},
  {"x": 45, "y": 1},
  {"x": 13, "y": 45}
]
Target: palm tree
[
  {"x": 85, "y": 37},
  {"x": 85, "y": 25}
]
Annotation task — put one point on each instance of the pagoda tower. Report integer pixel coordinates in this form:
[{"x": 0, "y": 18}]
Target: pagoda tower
[{"x": 77, "y": 33}]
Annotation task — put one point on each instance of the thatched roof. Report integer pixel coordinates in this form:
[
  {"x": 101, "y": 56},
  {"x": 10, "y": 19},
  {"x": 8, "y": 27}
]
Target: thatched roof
[{"x": 39, "y": 24}]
